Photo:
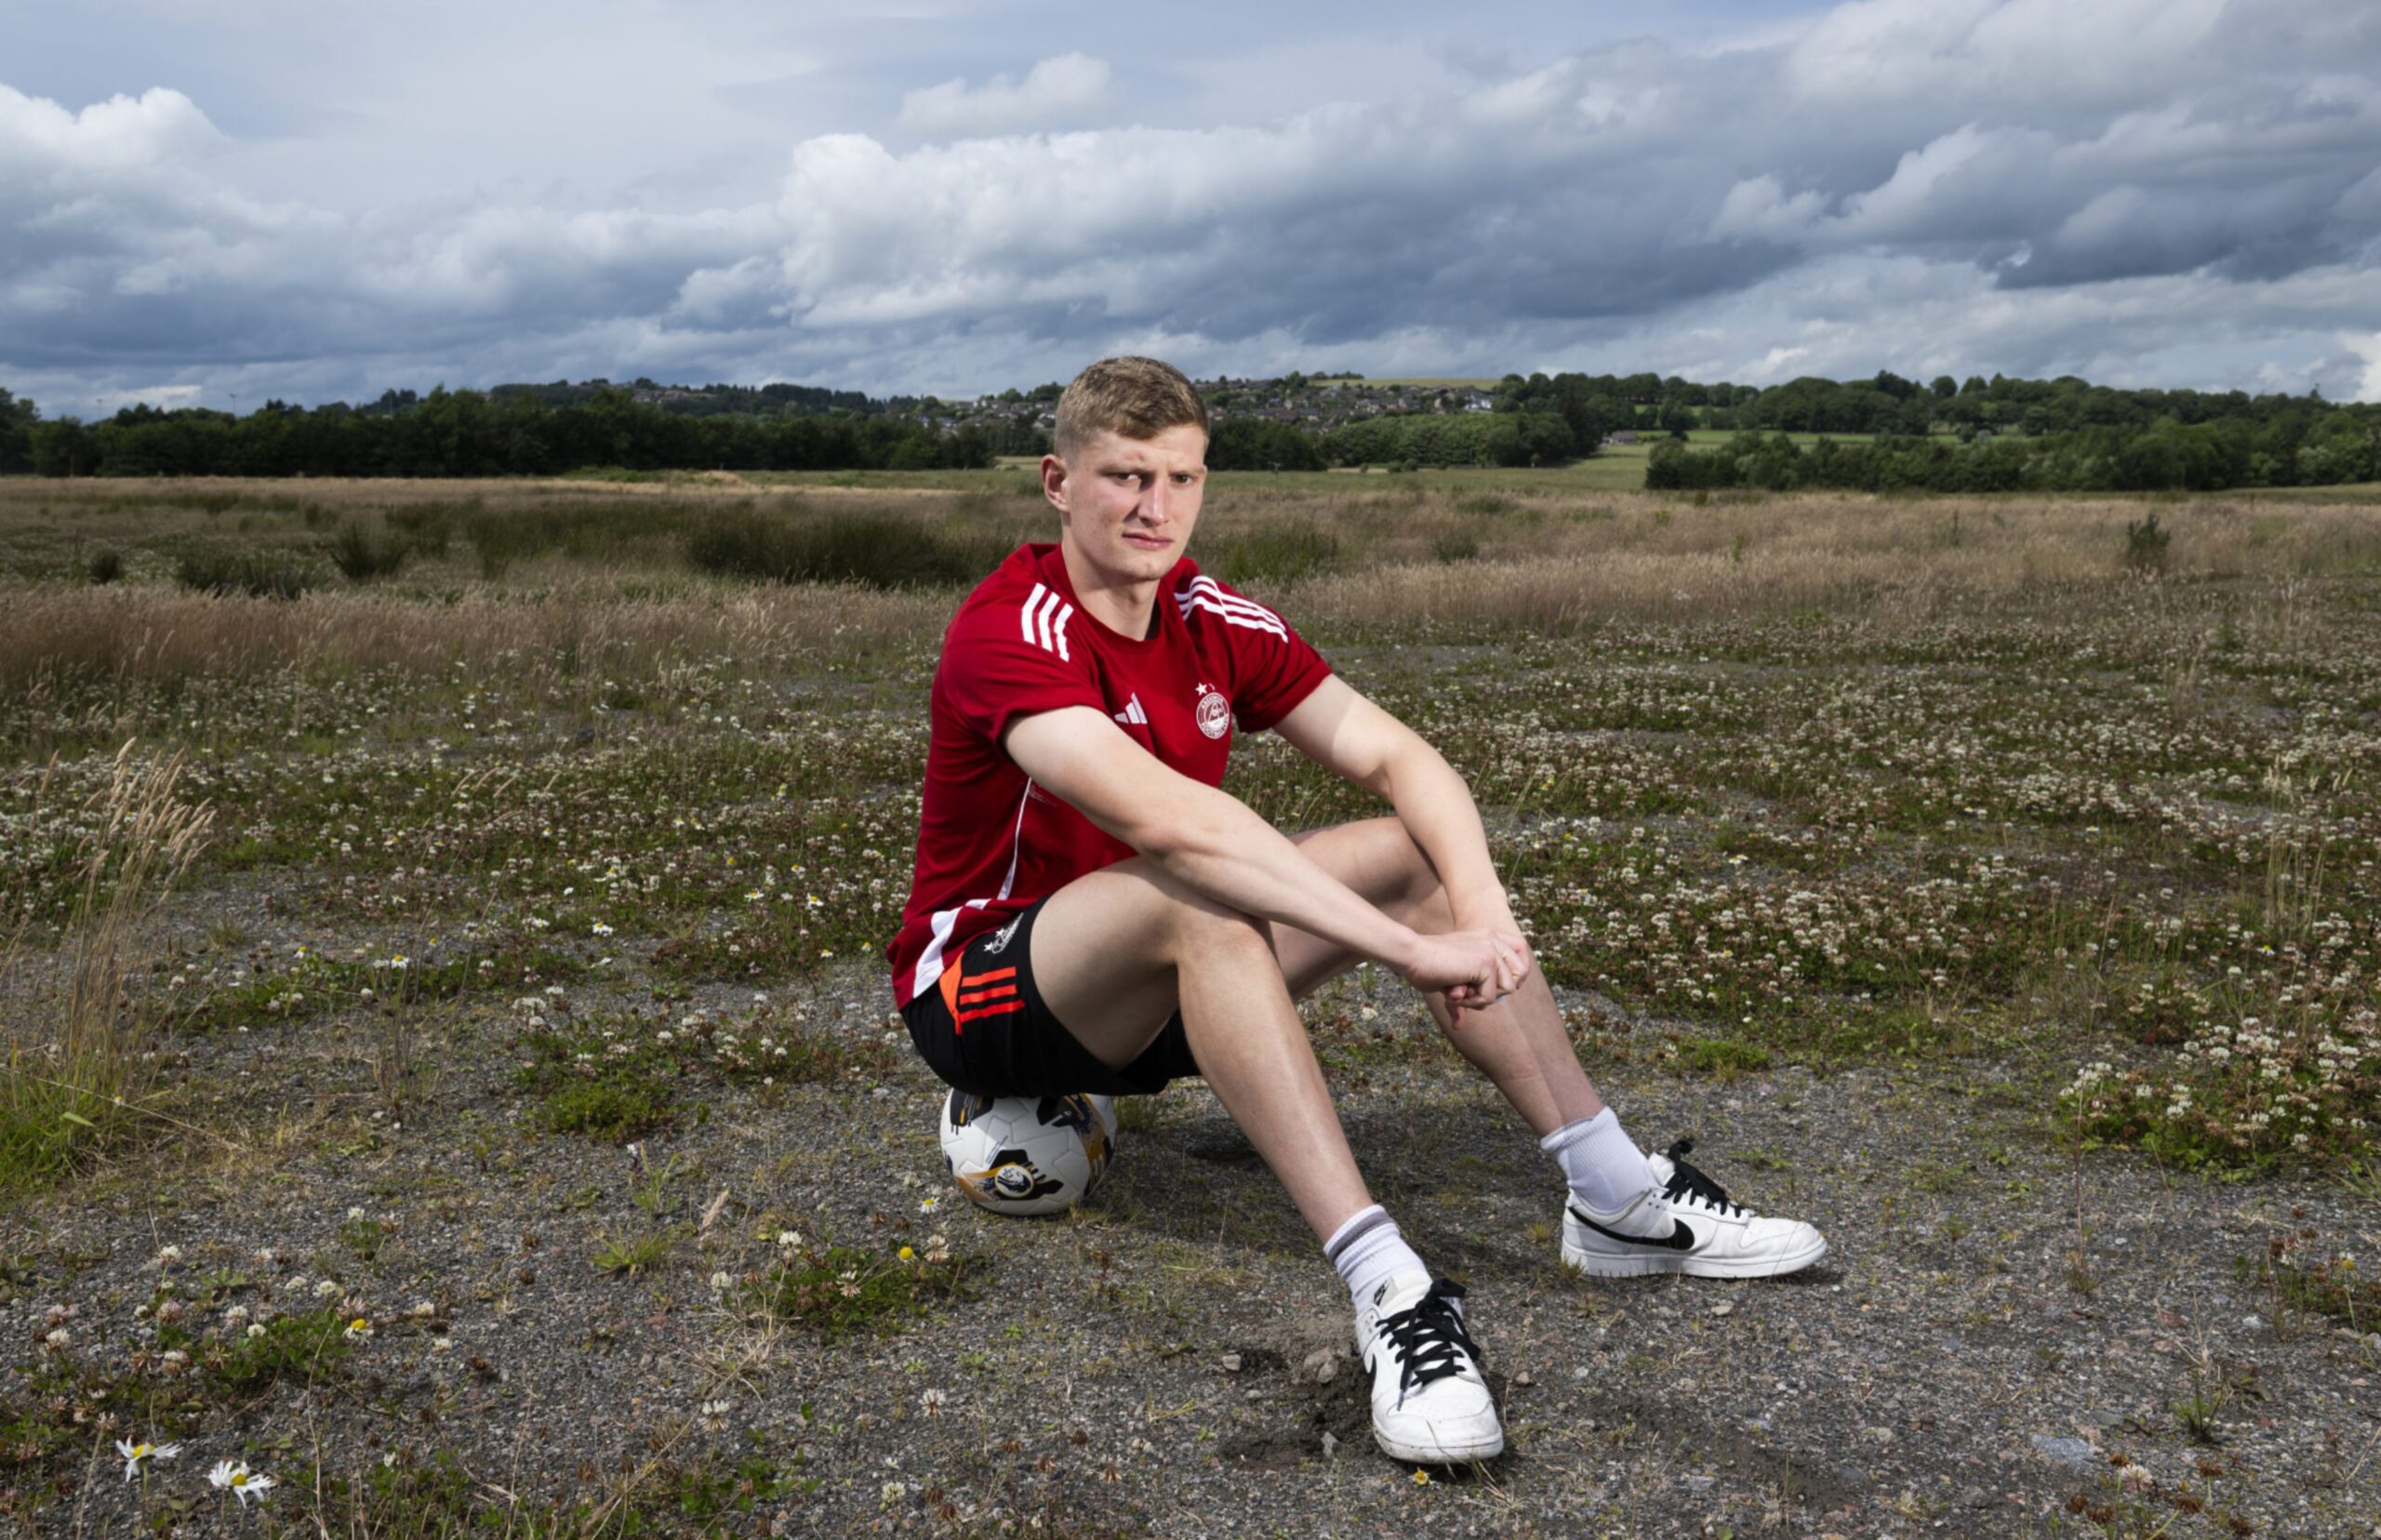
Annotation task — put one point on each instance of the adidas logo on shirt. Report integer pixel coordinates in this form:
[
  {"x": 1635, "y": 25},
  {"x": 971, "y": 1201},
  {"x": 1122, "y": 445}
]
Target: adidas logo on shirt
[{"x": 1132, "y": 714}]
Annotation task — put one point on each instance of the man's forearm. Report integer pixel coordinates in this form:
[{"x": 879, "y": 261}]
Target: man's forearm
[
  {"x": 1225, "y": 851},
  {"x": 1436, "y": 808}
]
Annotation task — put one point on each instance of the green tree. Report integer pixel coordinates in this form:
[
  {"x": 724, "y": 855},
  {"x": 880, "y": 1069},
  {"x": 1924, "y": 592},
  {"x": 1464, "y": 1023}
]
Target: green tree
[{"x": 17, "y": 421}]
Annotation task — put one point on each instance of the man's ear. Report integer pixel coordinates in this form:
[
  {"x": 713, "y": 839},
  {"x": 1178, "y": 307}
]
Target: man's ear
[{"x": 1054, "y": 481}]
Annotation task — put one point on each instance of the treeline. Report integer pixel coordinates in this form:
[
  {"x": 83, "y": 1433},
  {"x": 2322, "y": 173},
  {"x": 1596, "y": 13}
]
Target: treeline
[
  {"x": 1886, "y": 403},
  {"x": 1414, "y": 439},
  {"x": 466, "y": 434},
  {"x": 2339, "y": 447}
]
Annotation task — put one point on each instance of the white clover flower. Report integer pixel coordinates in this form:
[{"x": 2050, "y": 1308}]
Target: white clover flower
[
  {"x": 236, "y": 1477},
  {"x": 135, "y": 1454},
  {"x": 931, "y": 1401},
  {"x": 58, "y": 1339},
  {"x": 326, "y": 1289},
  {"x": 354, "y": 1214},
  {"x": 168, "y": 1255}
]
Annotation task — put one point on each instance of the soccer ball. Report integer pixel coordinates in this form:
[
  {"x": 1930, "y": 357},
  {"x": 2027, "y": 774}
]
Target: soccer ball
[{"x": 1028, "y": 1154}]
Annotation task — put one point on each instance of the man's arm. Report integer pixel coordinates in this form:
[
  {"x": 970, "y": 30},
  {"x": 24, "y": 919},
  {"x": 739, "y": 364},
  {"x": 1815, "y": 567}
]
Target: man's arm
[
  {"x": 1348, "y": 735},
  {"x": 1213, "y": 844}
]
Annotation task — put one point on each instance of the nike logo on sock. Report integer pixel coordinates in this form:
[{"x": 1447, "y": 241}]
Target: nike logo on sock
[{"x": 1679, "y": 1238}]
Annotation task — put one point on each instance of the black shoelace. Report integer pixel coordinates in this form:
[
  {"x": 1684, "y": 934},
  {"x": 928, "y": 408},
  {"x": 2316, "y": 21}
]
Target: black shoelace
[
  {"x": 1429, "y": 1337},
  {"x": 1688, "y": 1181}
]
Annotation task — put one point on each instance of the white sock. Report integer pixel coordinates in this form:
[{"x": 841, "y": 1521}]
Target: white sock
[
  {"x": 1368, "y": 1251},
  {"x": 1603, "y": 1166}
]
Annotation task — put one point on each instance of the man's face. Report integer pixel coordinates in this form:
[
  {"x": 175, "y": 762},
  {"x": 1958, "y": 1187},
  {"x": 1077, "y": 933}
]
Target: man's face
[{"x": 1128, "y": 505}]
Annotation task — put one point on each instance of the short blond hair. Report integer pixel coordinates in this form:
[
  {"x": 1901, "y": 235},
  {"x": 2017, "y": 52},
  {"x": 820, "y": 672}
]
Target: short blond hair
[{"x": 1134, "y": 398}]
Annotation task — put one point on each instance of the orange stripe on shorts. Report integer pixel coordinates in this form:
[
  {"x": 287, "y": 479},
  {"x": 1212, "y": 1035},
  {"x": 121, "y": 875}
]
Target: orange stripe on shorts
[
  {"x": 989, "y": 977},
  {"x": 987, "y": 1011},
  {"x": 995, "y": 993}
]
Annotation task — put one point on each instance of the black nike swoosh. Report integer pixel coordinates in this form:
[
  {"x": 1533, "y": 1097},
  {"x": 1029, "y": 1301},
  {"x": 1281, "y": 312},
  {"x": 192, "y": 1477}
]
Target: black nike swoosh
[{"x": 1679, "y": 1238}]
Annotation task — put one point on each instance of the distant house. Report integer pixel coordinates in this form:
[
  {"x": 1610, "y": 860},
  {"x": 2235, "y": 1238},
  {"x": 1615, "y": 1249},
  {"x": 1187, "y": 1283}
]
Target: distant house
[{"x": 1621, "y": 436}]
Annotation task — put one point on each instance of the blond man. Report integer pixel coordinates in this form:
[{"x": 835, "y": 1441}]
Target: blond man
[{"x": 1090, "y": 912}]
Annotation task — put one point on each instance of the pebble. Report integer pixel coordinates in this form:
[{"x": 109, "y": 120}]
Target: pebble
[
  {"x": 1725, "y": 1307},
  {"x": 1232, "y": 1364},
  {"x": 2075, "y": 1454}
]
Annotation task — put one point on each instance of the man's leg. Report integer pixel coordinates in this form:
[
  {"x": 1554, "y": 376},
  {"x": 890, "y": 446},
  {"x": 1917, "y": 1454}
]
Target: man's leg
[
  {"x": 1619, "y": 1226},
  {"x": 1519, "y": 1042},
  {"x": 1113, "y": 954},
  {"x": 1117, "y": 952}
]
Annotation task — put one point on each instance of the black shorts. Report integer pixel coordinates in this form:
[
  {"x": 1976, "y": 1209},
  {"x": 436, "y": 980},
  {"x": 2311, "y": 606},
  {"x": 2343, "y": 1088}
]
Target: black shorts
[{"x": 987, "y": 1030}]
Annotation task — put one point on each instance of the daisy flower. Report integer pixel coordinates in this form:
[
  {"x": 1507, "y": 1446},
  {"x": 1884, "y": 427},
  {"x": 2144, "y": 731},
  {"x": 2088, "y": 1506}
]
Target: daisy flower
[
  {"x": 236, "y": 1477},
  {"x": 134, "y": 1453}
]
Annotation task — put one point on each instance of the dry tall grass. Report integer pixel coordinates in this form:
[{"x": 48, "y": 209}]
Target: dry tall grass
[
  {"x": 79, "y": 1046},
  {"x": 1548, "y": 557}
]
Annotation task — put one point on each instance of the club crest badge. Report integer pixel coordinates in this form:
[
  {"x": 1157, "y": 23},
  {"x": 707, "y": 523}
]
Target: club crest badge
[{"x": 1214, "y": 713}]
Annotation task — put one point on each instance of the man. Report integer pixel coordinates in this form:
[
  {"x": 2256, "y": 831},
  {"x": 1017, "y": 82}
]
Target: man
[{"x": 1090, "y": 913}]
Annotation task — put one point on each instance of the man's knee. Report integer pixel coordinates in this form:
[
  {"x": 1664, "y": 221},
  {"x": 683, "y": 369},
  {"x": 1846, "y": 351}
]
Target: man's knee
[{"x": 1202, "y": 928}]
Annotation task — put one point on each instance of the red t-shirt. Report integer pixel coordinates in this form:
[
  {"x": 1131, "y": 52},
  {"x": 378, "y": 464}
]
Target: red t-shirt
[{"x": 992, "y": 843}]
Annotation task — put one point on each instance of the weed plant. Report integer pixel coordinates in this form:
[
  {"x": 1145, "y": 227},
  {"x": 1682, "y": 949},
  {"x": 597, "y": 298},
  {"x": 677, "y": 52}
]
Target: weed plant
[
  {"x": 271, "y": 573},
  {"x": 81, "y": 1065},
  {"x": 843, "y": 1291}
]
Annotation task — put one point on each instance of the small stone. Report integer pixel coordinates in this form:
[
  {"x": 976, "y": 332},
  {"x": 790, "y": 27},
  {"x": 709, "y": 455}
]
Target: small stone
[
  {"x": 2252, "y": 1321},
  {"x": 1232, "y": 1364},
  {"x": 1321, "y": 1366},
  {"x": 2075, "y": 1454},
  {"x": 1725, "y": 1307},
  {"x": 1976, "y": 1498},
  {"x": 1330, "y": 1445},
  {"x": 1523, "y": 1379}
]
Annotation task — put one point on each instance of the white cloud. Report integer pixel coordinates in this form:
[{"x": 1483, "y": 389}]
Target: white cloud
[
  {"x": 1881, "y": 190},
  {"x": 1057, "y": 89}
]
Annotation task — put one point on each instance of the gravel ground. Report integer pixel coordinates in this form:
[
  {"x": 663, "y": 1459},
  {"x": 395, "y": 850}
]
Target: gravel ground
[{"x": 1997, "y": 1344}]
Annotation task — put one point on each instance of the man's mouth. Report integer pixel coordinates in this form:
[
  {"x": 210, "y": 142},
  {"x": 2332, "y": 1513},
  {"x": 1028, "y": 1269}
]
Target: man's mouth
[{"x": 1146, "y": 542}]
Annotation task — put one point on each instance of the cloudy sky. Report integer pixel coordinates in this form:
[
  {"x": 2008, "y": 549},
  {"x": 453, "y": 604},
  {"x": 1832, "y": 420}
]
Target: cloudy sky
[{"x": 283, "y": 197}]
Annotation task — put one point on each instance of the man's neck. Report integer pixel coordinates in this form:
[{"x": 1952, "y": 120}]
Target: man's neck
[{"x": 1123, "y": 608}]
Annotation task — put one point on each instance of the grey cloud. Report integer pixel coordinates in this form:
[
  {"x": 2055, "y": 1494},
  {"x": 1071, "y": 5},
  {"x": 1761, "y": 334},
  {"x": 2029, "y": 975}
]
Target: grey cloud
[{"x": 1948, "y": 185}]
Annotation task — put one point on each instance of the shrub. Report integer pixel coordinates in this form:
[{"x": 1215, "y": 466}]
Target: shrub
[
  {"x": 426, "y": 527},
  {"x": 260, "y": 573},
  {"x": 1279, "y": 553},
  {"x": 105, "y": 566},
  {"x": 876, "y": 549},
  {"x": 1456, "y": 545},
  {"x": 2145, "y": 545},
  {"x": 362, "y": 557}
]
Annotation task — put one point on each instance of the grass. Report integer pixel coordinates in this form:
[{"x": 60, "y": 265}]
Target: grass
[
  {"x": 81, "y": 1069},
  {"x": 843, "y": 1292},
  {"x": 618, "y": 1079},
  {"x": 1782, "y": 781}
]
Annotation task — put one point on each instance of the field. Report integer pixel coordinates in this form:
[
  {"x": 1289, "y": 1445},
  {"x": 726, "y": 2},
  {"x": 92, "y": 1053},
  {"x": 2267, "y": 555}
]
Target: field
[{"x": 449, "y": 1067}]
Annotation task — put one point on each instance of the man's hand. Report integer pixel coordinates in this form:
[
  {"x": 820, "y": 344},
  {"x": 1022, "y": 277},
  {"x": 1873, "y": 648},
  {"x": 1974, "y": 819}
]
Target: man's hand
[{"x": 1475, "y": 968}]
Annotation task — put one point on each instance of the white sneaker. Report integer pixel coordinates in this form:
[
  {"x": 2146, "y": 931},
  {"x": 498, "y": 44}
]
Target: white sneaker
[
  {"x": 1707, "y": 1236},
  {"x": 1429, "y": 1404}
]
